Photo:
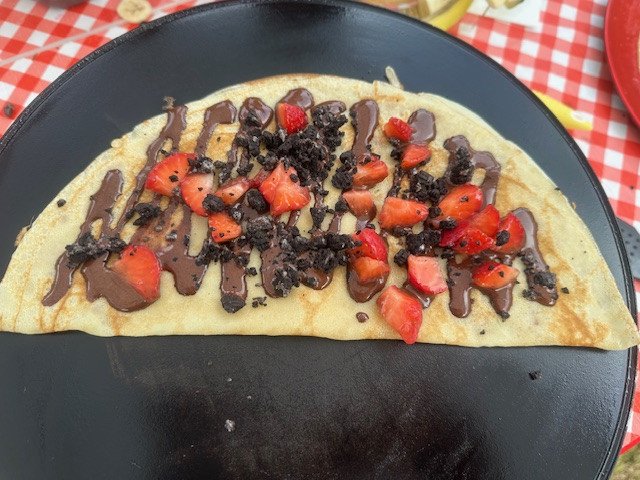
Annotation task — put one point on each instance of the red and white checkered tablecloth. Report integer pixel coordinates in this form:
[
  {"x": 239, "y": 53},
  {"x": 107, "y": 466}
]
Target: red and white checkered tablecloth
[{"x": 564, "y": 59}]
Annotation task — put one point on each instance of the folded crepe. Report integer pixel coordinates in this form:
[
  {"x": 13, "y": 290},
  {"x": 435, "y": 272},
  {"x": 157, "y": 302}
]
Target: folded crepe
[{"x": 584, "y": 307}]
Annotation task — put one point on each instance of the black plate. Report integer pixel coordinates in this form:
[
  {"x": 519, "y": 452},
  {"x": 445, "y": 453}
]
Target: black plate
[{"x": 76, "y": 406}]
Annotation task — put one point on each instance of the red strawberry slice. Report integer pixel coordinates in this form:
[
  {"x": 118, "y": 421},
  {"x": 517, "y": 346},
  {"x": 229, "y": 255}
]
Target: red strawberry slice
[
  {"x": 486, "y": 220},
  {"x": 223, "y": 227},
  {"x": 402, "y": 311},
  {"x": 461, "y": 202},
  {"x": 282, "y": 193},
  {"x": 371, "y": 173},
  {"x": 472, "y": 241},
  {"x": 194, "y": 187},
  {"x": 425, "y": 275},
  {"x": 493, "y": 275},
  {"x": 166, "y": 175},
  {"x": 373, "y": 245},
  {"x": 451, "y": 236},
  {"x": 414, "y": 155},
  {"x": 291, "y": 117},
  {"x": 369, "y": 269},
  {"x": 514, "y": 228},
  {"x": 398, "y": 129},
  {"x": 360, "y": 203},
  {"x": 140, "y": 268},
  {"x": 232, "y": 191},
  {"x": 260, "y": 177},
  {"x": 401, "y": 213}
]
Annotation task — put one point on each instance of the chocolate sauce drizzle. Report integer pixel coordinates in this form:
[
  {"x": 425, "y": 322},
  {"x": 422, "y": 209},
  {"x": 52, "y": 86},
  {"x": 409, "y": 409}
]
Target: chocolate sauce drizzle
[{"x": 460, "y": 145}]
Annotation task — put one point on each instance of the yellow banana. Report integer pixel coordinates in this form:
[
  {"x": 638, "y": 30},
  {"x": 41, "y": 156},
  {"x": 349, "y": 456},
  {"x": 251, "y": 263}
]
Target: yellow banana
[
  {"x": 451, "y": 15},
  {"x": 569, "y": 118}
]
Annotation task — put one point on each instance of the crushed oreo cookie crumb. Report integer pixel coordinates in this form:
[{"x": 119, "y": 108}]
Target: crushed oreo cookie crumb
[
  {"x": 174, "y": 178},
  {"x": 317, "y": 215},
  {"x": 258, "y": 301},
  {"x": 564, "y": 290},
  {"x": 448, "y": 224},
  {"x": 146, "y": 212},
  {"x": 535, "y": 375},
  {"x": 232, "y": 303},
  {"x": 213, "y": 204},
  {"x": 88, "y": 247},
  {"x": 460, "y": 166},
  {"x": 401, "y": 257},
  {"x": 172, "y": 236},
  {"x": 502, "y": 237},
  {"x": 504, "y": 315},
  {"x": 61, "y": 203},
  {"x": 545, "y": 279},
  {"x": 201, "y": 165}
]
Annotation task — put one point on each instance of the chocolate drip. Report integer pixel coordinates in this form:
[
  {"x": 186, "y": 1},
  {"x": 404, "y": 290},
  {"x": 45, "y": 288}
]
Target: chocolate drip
[
  {"x": 233, "y": 283},
  {"x": 500, "y": 298},
  {"x": 271, "y": 261},
  {"x": 100, "y": 208},
  {"x": 484, "y": 160},
  {"x": 300, "y": 97},
  {"x": 363, "y": 292},
  {"x": 256, "y": 107},
  {"x": 365, "y": 120},
  {"x": 535, "y": 264},
  {"x": 222, "y": 112},
  {"x": 423, "y": 124},
  {"x": 459, "y": 288},
  {"x": 176, "y": 123},
  {"x": 336, "y": 107},
  {"x": 424, "y": 298},
  {"x": 103, "y": 282}
]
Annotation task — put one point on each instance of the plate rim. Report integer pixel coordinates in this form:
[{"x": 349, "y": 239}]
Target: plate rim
[{"x": 629, "y": 293}]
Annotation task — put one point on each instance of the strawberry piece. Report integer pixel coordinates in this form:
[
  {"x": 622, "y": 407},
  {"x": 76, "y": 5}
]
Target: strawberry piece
[
  {"x": 402, "y": 311},
  {"x": 401, "y": 213},
  {"x": 424, "y": 274},
  {"x": 414, "y": 155},
  {"x": 140, "y": 268},
  {"x": 260, "y": 177},
  {"x": 451, "y": 236},
  {"x": 493, "y": 275},
  {"x": 360, "y": 203},
  {"x": 166, "y": 175},
  {"x": 223, "y": 227},
  {"x": 472, "y": 241},
  {"x": 461, "y": 202},
  {"x": 232, "y": 191},
  {"x": 291, "y": 117},
  {"x": 282, "y": 193},
  {"x": 371, "y": 173},
  {"x": 512, "y": 225},
  {"x": 194, "y": 187},
  {"x": 486, "y": 220},
  {"x": 369, "y": 269},
  {"x": 398, "y": 129},
  {"x": 373, "y": 245}
]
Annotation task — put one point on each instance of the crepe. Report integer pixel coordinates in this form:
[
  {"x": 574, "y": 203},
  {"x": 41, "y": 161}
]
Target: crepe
[{"x": 592, "y": 314}]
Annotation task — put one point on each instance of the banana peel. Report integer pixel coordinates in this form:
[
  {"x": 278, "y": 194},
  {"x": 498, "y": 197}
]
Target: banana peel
[
  {"x": 569, "y": 118},
  {"x": 451, "y": 16}
]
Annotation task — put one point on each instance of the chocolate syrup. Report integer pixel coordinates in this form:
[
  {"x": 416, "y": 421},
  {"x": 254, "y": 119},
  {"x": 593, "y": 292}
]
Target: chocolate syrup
[
  {"x": 483, "y": 160},
  {"x": 363, "y": 292},
  {"x": 365, "y": 115},
  {"x": 532, "y": 257},
  {"x": 300, "y": 97},
  {"x": 222, "y": 112}
]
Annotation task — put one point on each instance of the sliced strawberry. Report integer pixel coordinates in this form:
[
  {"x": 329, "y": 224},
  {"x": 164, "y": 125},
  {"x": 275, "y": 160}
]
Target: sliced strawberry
[
  {"x": 223, "y": 227},
  {"x": 369, "y": 174},
  {"x": 486, "y": 220},
  {"x": 370, "y": 269},
  {"x": 398, "y": 129},
  {"x": 232, "y": 191},
  {"x": 373, "y": 245},
  {"x": 493, "y": 275},
  {"x": 461, "y": 202},
  {"x": 514, "y": 228},
  {"x": 194, "y": 187},
  {"x": 401, "y": 213},
  {"x": 425, "y": 275},
  {"x": 360, "y": 203},
  {"x": 282, "y": 193},
  {"x": 291, "y": 117},
  {"x": 472, "y": 241},
  {"x": 402, "y": 311},
  {"x": 140, "y": 268},
  {"x": 414, "y": 155},
  {"x": 166, "y": 175},
  {"x": 451, "y": 236},
  {"x": 260, "y": 177}
]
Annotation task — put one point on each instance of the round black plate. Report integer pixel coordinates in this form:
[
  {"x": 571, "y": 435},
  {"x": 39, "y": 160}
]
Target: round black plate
[{"x": 76, "y": 406}]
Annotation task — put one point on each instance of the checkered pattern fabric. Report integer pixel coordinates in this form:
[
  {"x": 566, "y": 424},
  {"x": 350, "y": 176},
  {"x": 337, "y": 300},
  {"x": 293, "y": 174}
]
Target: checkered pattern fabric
[{"x": 565, "y": 59}]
